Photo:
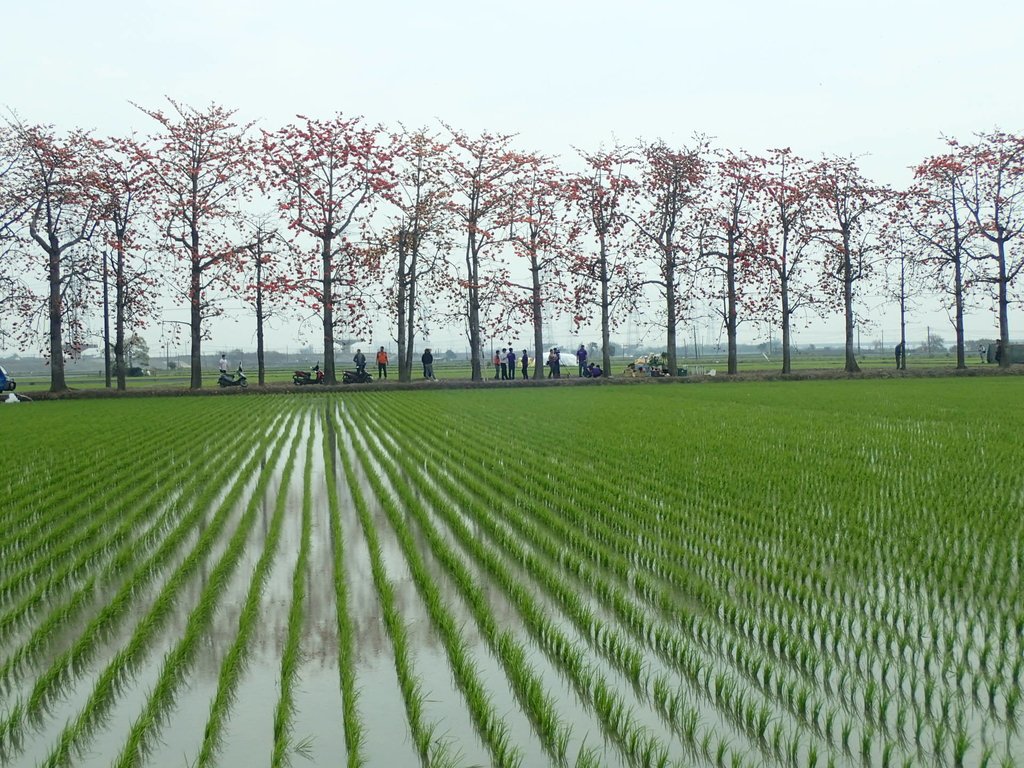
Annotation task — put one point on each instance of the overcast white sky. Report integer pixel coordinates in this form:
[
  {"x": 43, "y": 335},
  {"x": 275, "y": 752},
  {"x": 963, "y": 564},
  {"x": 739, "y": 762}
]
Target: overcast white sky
[{"x": 880, "y": 80}]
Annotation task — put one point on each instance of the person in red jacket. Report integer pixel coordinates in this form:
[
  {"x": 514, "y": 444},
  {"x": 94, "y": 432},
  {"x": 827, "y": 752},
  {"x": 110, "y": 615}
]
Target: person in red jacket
[{"x": 382, "y": 363}]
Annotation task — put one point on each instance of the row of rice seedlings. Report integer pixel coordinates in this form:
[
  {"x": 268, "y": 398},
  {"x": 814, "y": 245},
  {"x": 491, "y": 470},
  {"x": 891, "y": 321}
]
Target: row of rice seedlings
[
  {"x": 120, "y": 671},
  {"x": 235, "y": 661},
  {"x": 867, "y": 664},
  {"x": 69, "y": 468},
  {"x": 61, "y": 615},
  {"x": 44, "y": 549},
  {"x": 491, "y": 727},
  {"x": 46, "y": 571},
  {"x": 803, "y": 698},
  {"x": 625, "y": 656},
  {"x": 799, "y": 706},
  {"x": 46, "y": 485},
  {"x": 803, "y": 655},
  {"x": 76, "y": 658},
  {"x": 865, "y": 661},
  {"x": 635, "y": 741},
  {"x": 354, "y": 730},
  {"x": 55, "y": 530},
  {"x": 567, "y": 596},
  {"x": 128, "y": 512},
  {"x": 423, "y": 734},
  {"x": 178, "y": 662},
  {"x": 129, "y": 553},
  {"x": 284, "y": 712},
  {"x": 529, "y": 690}
]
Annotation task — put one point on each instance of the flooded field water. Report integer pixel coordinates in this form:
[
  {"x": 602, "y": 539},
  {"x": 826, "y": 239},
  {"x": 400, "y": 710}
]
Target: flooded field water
[{"x": 491, "y": 621}]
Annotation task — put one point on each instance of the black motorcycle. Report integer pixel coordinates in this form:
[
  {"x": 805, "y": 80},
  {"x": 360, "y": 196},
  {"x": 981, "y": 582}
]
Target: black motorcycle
[
  {"x": 356, "y": 377},
  {"x": 238, "y": 380}
]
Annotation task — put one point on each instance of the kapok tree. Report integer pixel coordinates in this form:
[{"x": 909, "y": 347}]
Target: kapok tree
[
  {"x": 787, "y": 210},
  {"x": 479, "y": 170},
  {"x": 940, "y": 222},
  {"x": 729, "y": 240},
  {"x": 992, "y": 190},
  {"x": 126, "y": 189},
  {"x": 328, "y": 173},
  {"x": 415, "y": 236},
  {"x": 599, "y": 194},
  {"x": 201, "y": 164},
  {"x": 264, "y": 282},
  {"x": 541, "y": 237},
  {"x": 901, "y": 267},
  {"x": 664, "y": 207},
  {"x": 847, "y": 232},
  {"x": 58, "y": 188}
]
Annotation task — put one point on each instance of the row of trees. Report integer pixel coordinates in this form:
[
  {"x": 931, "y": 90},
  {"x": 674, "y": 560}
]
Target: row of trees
[{"x": 440, "y": 224}]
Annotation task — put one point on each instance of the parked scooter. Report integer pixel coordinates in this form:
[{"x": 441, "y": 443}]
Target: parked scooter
[
  {"x": 356, "y": 377},
  {"x": 316, "y": 376},
  {"x": 237, "y": 380}
]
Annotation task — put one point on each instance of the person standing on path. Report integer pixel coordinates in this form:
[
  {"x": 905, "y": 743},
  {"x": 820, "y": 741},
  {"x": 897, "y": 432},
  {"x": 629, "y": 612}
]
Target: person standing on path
[
  {"x": 428, "y": 365},
  {"x": 511, "y": 357},
  {"x": 382, "y": 363},
  {"x": 223, "y": 364},
  {"x": 503, "y": 362},
  {"x": 581, "y": 360},
  {"x": 360, "y": 361},
  {"x": 556, "y": 367},
  {"x": 526, "y": 365},
  {"x": 497, "y": 364}
]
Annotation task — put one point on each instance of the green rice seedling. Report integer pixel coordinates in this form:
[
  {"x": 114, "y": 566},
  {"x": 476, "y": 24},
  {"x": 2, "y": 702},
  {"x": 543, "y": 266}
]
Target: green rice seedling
[
  {"x": 705, "y": 746},
  {"x": 961, "y": 746},
  {"x": 844, "y": 739},
  {"x": 235, "y": 662},
  {"x": 721, "y": 751},
  {"x": 867, "y": 736},
  {"x": 492, "y": 728},
  {"x": 124, "y": 662}
]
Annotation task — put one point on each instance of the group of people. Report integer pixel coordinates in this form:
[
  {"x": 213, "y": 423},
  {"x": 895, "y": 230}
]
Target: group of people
[
  {"x": 585, "y": 370},
  {"x": 505, "y": 364},
  {"x": 382, "y": 363}
]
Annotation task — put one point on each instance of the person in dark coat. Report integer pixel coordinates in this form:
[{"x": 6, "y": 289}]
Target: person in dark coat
[{"x": 428, "y": 364}]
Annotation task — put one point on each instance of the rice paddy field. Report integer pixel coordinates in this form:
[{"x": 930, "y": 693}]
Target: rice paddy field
[{"x": 754, "y": 574}]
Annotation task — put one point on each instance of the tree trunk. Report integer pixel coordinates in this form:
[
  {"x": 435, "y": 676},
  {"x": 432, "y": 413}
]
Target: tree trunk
[
  {"x": 670, "y": 312},
  {"x": 195, "y": 321},
  {"x": 606, "y": 356},
  {"x": 403, "y": 352},
  {"x": 261, "y": 371},
  {"x": 120, "y": 299},
  {"x": 57, "y": 380},
  {"x": 473, "y": 271},
  {"x": 328, "y": 306},
  {"x": 106, "y": 320},
  {"x": 410, "y": 301},
  {"x": 787, "y": 365},
  {"x": 1004, "y": 301},
  {"x": 730, "y": 310},
  {"x": 851, "y": 358},
  {"x": 538, "y": 320}
]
